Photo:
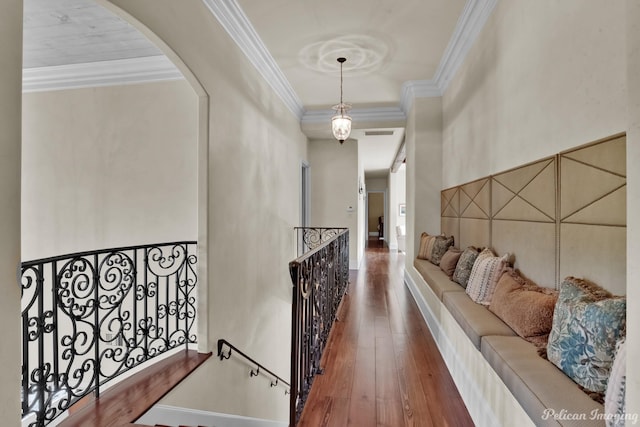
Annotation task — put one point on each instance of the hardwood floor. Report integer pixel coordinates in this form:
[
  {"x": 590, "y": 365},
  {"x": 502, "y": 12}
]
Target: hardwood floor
[
  {"x": 382, "y": 366},
  {"x": 128, "y": 400}
]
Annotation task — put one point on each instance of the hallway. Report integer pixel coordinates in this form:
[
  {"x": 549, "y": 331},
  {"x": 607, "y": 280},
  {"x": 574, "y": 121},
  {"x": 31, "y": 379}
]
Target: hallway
[{"x": 382, "y": 367}]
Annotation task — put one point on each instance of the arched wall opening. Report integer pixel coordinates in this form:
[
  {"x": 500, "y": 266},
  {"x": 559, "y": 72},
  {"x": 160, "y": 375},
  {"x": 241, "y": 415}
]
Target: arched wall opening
[{"x": 117, "y": 165}]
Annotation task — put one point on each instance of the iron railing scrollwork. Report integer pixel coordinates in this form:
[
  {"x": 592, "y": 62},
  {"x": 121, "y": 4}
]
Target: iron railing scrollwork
[
  {"x": 91, "y": 316},
  {"x": 309, "y": 238},
  {"x": 320, "y": 279}
]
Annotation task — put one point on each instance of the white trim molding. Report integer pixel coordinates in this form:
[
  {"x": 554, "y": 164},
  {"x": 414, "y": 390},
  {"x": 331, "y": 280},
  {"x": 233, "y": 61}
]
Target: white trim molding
[
  {"x": 157, "y": 68},
  {"x": 103, "y": 73},
  {"x": 237, "y": 25},
  {"x": 357, "y": 114},
  {"x": 172, "y": 415},
  {"x": 417, "y": 89},
  {"x": 471, "y": 22}
]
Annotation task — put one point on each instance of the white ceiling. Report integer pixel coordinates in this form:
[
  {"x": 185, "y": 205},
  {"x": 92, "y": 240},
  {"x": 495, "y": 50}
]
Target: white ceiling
[{"x": 394, "y": 50}]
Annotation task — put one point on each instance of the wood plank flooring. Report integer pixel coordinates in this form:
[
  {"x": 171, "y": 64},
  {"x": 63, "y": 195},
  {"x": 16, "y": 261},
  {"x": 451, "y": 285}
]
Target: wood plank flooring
[
  {"x": 128, "y": 400},
  {"x": 382, "y": 366}
]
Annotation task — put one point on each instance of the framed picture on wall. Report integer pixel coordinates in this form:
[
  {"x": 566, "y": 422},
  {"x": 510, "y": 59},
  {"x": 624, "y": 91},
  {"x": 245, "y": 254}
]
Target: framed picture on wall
[{"x": 402, "y": 209}]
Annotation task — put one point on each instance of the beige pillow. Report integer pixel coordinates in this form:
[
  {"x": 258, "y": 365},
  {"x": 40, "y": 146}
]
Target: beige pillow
[
  {"x": 526, "y": 307},
  {"x": 426, "y": 246},
  {"x": 485, "y": 273},
  {"x": 449, "y": 261}
]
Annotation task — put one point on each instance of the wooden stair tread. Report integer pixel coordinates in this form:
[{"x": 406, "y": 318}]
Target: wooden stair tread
[{"x": 125, "y": 402}]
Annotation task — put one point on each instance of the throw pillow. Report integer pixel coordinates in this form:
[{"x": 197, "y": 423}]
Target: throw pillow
[
  {"x": 440, "y": 246},
  {"x": 464, "y": 266},
  {"x": 426, "y": 245},
  {"x": 484, "y": 276},
  {"x": 449, "y": 261},
  {"x": 526, "y": 307},
  {"x": 587, "y": 323},
  {"x": 614, "y": 406}
]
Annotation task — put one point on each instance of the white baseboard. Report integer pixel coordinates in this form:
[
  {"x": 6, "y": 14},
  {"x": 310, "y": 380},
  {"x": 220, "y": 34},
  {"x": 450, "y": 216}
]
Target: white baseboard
[
  {"x": 174, "y": 416},
  {"x": 478, "y": 406}
]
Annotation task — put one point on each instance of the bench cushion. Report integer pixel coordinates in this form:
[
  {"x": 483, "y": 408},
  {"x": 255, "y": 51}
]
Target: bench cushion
[
  {"x": 546, "y": 394},
  {"x": 475, "y": 320},
  {"x": 437, "y": 280}
]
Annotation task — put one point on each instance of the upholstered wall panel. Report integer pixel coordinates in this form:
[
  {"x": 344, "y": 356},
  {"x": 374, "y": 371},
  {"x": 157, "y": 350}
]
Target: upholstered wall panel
[
  {"x": 475, "y": 199},
  {"x": 523, "y": 205},
  {"x": 450, "y": 213},
  {"x": 562, "y": 215},
  {"x": 533, "y": 245},
  {"x": 475, "y": 214},
  {"x": 474, "y": 232},
  {"x": 593, "y": 213},
  {"x": 596, "y": 253},
  {"x": 451, "y": 227}
]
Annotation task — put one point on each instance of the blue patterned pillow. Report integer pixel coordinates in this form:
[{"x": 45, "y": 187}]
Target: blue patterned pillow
[{"x": 587, "y": 323}]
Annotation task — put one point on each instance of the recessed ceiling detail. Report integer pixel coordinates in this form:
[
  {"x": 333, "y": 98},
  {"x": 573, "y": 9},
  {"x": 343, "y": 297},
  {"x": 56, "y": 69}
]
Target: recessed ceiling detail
[{"x": 365, "y": 54}]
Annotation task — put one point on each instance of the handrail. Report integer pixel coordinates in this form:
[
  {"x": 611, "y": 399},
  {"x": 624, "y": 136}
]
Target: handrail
[
  {"x": 254, "y": 373},
  {"x": 309, "y": 238},
  {"x": 320, "y": 280},
  {"x": 88, "y": 317}
]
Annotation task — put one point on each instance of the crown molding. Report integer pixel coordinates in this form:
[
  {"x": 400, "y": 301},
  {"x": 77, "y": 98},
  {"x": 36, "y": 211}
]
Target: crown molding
[
  {"x": 157, "y": 68},
  {"x": 472, "y": 20},
  {"x": 103, "y": 73},
  {"x": 237, "y": 25},
  {"x": 357, "y": 114},
  {"x": 417, "y": 89}
]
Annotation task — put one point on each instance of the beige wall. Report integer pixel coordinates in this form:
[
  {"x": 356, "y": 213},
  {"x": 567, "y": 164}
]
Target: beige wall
[
  {"x": 543, "y": 77},
  {"x": 108, "y": 166},
  {"x": 397, "y": 195},
  {"x": 253, "y": 165},
  {"x": 423, "y": 170},
  {"x": 633, "y": 205},
  {"x": 334, "y": 189},
  {"x": 10, "y": 99}
]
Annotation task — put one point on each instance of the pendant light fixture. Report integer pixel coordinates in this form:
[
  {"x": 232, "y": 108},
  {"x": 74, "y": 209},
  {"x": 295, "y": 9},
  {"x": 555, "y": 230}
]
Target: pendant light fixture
[{"x": 341, "y": 122}]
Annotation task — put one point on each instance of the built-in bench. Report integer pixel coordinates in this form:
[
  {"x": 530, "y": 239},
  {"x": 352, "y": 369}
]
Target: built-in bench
[
  {"x": 561, "y": 216},
  {"x": 546, "y": 394}
]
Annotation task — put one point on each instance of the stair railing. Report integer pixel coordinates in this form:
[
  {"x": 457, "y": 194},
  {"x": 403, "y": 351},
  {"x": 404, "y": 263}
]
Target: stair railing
[
  {"x": 309, "y": 238},
  {"x": 89, "y": 317},
  {"x": 257, "y": 367},
  {"x": 320, "y": 279}
]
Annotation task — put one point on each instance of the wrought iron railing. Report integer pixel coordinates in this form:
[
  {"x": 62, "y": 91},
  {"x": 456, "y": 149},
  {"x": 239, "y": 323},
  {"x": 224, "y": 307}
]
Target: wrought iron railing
[
  {"x": 309, "y": 238},
  {"x": 257, "y": 368},
  {"x": 320, "y": 279},
  {"x": 89, "y": 317}
]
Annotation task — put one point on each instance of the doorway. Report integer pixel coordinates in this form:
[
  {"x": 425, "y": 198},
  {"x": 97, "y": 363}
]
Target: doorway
[{"x": 376, "y": 201}]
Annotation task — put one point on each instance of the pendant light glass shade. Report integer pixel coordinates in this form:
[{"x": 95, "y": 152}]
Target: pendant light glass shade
[
  {"x": 341, "y": 126},
  {"x": 341, "y": 122}
]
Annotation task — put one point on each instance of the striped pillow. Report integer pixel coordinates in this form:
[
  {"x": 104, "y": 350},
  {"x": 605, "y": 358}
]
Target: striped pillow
[
  {"x": 426, "y": 246},
  {"x": 484, "y": 276}
]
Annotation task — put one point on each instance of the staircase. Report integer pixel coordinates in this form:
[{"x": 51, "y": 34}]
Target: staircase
[
  {"x": 125, "y": 402},
  {"x": 170, "y": 416}
]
